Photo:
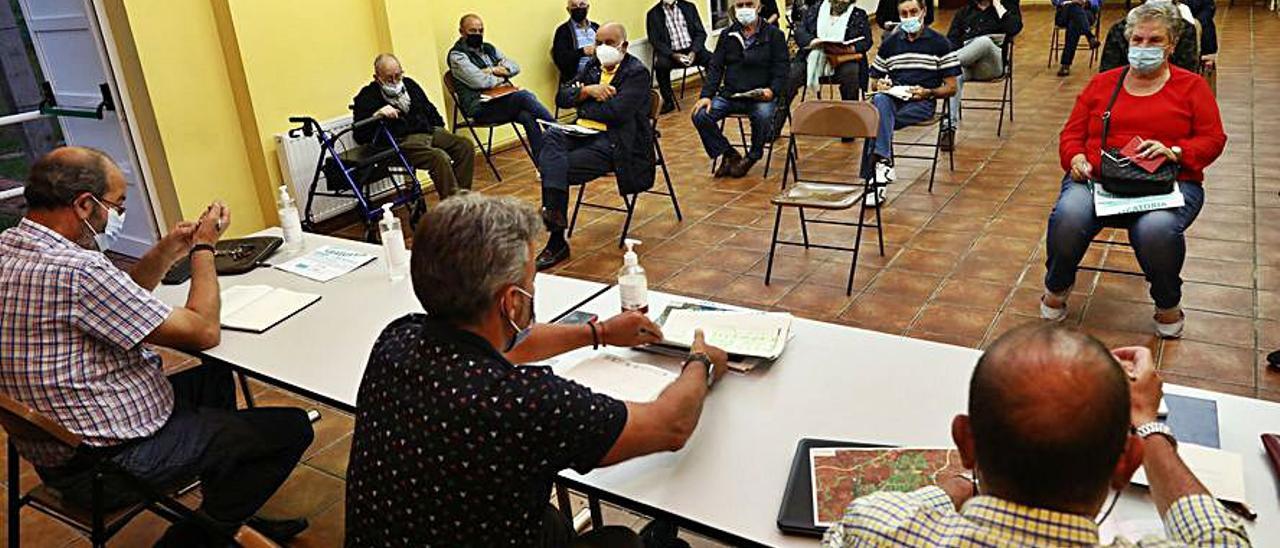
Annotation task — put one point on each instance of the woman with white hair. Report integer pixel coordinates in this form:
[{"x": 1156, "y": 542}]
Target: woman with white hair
[
  {"x": 1174, "y": 114},
  {"x": 1115, "y": 51}
]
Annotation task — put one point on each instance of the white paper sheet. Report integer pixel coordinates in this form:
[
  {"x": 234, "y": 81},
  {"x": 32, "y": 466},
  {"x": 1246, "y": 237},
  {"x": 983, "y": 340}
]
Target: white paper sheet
[
  {"x": 1106, "y": 204},
  {"x": 326, "y": 263},
  {"x": 621, "y": 379},
  {"x": 1221, "y": 472},
  {"x": 760, "y": 334}
]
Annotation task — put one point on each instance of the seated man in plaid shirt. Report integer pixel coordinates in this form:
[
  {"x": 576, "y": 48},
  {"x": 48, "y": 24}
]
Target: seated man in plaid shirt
[
  {"x": 1055, "y": 423},
  {"x": 71, "y": 332}
]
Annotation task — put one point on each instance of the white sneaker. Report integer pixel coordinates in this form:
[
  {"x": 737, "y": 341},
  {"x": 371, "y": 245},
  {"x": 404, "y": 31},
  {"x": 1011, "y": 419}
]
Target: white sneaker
[
  {"x": 1171, "y": 330},
  {"x": 1052, "y": 314},
  {"x": 885, "y": 173},
  {"x": 875, "y": 197}
]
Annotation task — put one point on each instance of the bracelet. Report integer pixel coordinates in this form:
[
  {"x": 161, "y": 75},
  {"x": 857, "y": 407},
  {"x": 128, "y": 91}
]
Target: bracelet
[
  {"x": 595, "y": 336},
  {"x": 203, "y": 247}
]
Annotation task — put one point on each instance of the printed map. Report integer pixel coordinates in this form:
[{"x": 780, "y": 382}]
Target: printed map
[{"x": 841, "y": 475}]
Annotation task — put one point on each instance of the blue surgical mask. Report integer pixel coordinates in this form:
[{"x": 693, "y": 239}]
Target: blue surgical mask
[
  {"x": 1146, "y": 59},
  {"x": 911, "y": 25},
  {"x": 111, "y": 232},
  {"x": 522, "y": 333},
  {"x": 746, "y": 16}
]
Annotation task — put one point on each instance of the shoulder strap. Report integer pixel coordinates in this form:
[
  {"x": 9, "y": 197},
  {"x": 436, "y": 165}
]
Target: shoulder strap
[{"x": 1106, "y": 115}]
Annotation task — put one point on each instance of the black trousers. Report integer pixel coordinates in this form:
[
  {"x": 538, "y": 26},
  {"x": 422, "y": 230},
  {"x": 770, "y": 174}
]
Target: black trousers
[
  {"x": 569, "y": 160},
  {"x": 662, "y": 67},
  {"x": 240, "y": 456},
  {"x": 557, "y": 532}
]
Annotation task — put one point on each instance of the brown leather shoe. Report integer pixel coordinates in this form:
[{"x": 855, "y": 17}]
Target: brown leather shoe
[
  {"x": 729, "y": 159},
  {"x": 552, "y": 256},
  {"x": 741, "y": 168}
]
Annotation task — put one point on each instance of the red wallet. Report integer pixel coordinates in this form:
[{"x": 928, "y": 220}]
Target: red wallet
[{"x": 1130, "y": 151}]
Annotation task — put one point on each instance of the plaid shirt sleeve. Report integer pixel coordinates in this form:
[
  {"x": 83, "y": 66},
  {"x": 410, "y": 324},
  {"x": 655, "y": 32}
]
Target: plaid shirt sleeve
[
  {"x": 111, "y": 307},
  {"x": 877, "y": 518},
  {"x": 1199, "y": 520}
]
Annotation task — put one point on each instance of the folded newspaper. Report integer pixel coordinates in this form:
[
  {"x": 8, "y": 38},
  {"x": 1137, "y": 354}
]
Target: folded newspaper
[
  {"x": 571, "y": 129},
  {"x": 1106, "y": 204}
]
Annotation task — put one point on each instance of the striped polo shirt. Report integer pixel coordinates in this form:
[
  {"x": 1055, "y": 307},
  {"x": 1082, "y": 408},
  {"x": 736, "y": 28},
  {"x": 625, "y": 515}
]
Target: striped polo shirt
[{"x": 924, "y": 61}]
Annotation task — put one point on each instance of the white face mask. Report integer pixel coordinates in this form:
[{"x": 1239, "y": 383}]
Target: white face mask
[
  {"x": 746, "y": 16},
  {"x": 609, "y": 56},
  {"x": 393, "y": 89},
  {"x": 110, "y": 233}
]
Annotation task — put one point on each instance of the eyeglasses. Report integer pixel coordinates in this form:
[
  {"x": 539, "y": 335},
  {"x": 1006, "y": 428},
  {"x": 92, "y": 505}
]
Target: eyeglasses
[{"x": 118, "y": 207}]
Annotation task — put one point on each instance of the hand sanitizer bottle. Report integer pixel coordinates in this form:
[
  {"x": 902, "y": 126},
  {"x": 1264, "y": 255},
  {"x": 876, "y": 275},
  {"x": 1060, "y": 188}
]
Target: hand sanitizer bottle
[
  {"x": 393, "y": 250},
  {"x": 632, "y": 282},
  {"x": 290, "y": 221}
]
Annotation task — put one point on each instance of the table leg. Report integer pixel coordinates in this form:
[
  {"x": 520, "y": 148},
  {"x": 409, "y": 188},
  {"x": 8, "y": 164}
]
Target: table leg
[
  {"x": 244, "y": 390},
  {"x": 597, "y": 516}
]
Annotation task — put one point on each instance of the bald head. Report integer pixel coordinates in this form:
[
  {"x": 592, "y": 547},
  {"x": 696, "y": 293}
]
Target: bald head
[
  {"x": 1049, "y": 412},
  {"x": 60, "y": 177},
  {"x": 387, "y": 69},
  {"x": 613, "y": 34}
]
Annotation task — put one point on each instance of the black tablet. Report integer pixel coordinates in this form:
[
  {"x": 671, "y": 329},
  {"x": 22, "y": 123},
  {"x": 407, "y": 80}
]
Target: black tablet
[{"x": 795, "y": 515}]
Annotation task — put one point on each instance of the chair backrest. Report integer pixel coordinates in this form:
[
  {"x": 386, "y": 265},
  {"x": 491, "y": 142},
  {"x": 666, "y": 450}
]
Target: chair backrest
[
  {"x": 26, "y": 424},
  {"x": 655, "y": 105},
  {"x": 835, "y": 119},
  {"x": 450, "y": 87}
]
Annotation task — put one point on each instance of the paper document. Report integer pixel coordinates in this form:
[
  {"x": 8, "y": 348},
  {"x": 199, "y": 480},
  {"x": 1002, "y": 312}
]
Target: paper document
[
  {"x": 898, "y": 92},
  {"x": 1106, "y": 204},
  {"x": 621, "y": 379},
  {"x": 754, "y": 94},
  {"x": 759, "y": 334},
  {"x": 1221, "y": 472},
  {"x": 257, "y": 308},
  {"x": 1131, "y": 530},
  {"x": 571, "y": 129},
  {"x": 326, "y": 263}
]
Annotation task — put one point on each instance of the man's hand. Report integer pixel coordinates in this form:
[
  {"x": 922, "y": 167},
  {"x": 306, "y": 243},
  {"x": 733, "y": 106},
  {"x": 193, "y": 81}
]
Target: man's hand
[
  {"x": 1145, "y": 385},
  {"x": 766, "y": 95},
  {"x": 883, "y": 84},
  {"x": 682, "y": 59},
  {"x": 719, "y": 359},
  {"x": 600, "y": 92},
  {"x": 177, "y": 243},
  {"x": 212, "y": 224},
  {"x": 589, "y": 50},
  {"x": 703, "y": 104},
  {"x": 1081, "y": 169},
  {"x": 920, "y": 93},
  {"x": 959, "y": 488},
  {"x": 501, "y": 72},
  {"x": 629, "y": 329},
  {"x": 388, "y": 111}
]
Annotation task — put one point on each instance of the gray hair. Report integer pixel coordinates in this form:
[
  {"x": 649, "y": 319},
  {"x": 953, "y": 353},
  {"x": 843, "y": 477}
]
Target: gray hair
[
  {"x": 1160, "y": 11},
  {"x": 62, "y": 175},
  {"x": 383, "y": 59},
  {"x": 466, "y": 249}
]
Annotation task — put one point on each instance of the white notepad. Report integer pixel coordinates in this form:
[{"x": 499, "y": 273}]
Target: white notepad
[
  {"x": 754, "y": 334},
  {"x": 1221, "y": 472},
  {"x": 621, "y": 379},
  {"x": 257, "y": 308}
]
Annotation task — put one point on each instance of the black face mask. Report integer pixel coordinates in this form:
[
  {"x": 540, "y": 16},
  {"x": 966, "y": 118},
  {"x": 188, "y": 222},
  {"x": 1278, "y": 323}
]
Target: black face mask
[
  {"x": 475, "y": 40},
  {"x": 578, "y": 14}
]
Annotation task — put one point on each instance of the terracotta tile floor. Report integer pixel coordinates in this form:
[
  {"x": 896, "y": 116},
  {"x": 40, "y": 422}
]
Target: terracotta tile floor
[{"x": 962, "y": 264}]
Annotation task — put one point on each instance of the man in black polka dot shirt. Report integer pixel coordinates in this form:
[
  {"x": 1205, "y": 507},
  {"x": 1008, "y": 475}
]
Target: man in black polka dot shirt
[{"x": 456, "y": 446}]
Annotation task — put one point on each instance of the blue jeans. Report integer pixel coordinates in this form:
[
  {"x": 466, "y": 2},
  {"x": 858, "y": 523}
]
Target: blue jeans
[
  {"x": 713, "y": 140},
  {"x": 1157, "y": 238},
  {"x": 1078, "y": 21},
  {"x": 521, "y": 107},
  {"x": 894, "y": 114}
]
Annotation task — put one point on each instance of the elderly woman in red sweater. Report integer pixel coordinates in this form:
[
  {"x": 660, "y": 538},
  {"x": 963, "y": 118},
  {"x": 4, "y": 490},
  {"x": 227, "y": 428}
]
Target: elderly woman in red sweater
[{"x": 1177, "y": 117}]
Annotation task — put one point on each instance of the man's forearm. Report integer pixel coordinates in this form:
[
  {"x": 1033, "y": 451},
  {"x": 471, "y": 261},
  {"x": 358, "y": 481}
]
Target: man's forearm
[
  {"x": 204, "y": 298},
  {"x": 151, "y": 268},
  {"x": 548, "y": 340},
  {"x": 1169, "y": 477},
  {"x": 683, "y": 398}
]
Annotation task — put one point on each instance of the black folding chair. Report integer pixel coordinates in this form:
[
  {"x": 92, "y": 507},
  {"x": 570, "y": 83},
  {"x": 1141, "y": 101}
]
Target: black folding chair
[
  {"x": 835, "y": 120},
  {"x": 744, "y": 138},
  {"x": 684, "y": 76},
  {"x": 486, "y": 147},
  {"x": 629, "y": 201},
  {"x": 1058, "y": 41},
  {"x": 941, "y": 118},
  {"x": 349, "y": 169},
  {"x": 1006, "y": 93}
]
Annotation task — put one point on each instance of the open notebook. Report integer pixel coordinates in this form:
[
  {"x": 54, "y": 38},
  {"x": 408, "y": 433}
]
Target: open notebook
[
  {"x": 257, "y": 308},
  {"x": 621, "y": 379},
  {"x": 747, "y": 333}
]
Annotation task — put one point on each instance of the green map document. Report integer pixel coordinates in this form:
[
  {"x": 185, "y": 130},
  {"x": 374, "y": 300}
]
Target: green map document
[{"x": 840, "y": 475}]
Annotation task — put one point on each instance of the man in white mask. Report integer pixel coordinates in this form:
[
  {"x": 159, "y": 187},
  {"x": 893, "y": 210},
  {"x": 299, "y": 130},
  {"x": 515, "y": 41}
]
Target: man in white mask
[
  {"x": 611, "y": 95},
  {"x": 72, "y": 326}
]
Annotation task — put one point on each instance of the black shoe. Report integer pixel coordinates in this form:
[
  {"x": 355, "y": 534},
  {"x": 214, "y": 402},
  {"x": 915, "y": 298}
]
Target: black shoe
[
  {"x": 667, "y": 107},
  {"x": 948, "y": 141},
  {"x": 741, "y": 168},
  {"x": 278, "y": 530},
  {"x": 1065, "y": 70},
  {"x": 1274, "y": 359},
  {"x": 1094, "y": 43},
  {"x": 729, "y": 159},
  {"x": 847, "y": 139},
  {"x": 552, "y": 255},
  {"x": 661, "y": 534}
]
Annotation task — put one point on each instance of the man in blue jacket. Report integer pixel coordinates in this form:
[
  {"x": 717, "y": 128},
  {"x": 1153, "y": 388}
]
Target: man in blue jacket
[{"x": 611, "y": 95}]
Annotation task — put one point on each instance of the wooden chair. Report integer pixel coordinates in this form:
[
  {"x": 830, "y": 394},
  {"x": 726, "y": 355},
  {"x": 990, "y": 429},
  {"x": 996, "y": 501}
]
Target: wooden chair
[
  {"x": 461, "y": 120},
  {"x": 1006, "y": 94},
  {"x": 942, "y": 119},
  {"x": 655, "y": 105},
  {"x": 834, "y": 120},
  {"x": 23, "y": 423}
]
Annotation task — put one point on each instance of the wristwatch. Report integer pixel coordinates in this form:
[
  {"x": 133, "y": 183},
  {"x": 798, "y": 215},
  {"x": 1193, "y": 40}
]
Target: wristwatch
[
  {"x": 1177, "y": 153},
  {"x": 1156, "y": 428},
  {"x": 704, "y": 359}
]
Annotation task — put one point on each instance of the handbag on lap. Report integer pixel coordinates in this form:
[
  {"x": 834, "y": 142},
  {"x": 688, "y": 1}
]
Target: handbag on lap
[{"x": 1120, "y": 175}]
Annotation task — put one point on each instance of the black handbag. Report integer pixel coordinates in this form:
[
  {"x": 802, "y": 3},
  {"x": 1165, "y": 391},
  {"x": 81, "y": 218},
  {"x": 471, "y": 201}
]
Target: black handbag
[{"x": 1120, "y": 176}]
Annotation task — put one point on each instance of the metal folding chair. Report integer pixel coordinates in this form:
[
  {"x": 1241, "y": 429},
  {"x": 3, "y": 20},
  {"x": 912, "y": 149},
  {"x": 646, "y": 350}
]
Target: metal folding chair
[
  {"x": 349, "y": 170},
  {"x": 1006, "y": 94},
  {"x": 1058, "y": 40},
  {"x": 684, "y": 77},
  {"x": 744, "y": 137},
  {"x": 98, "y": 522},
  {"x": 836, "y": 120},
  {"x": 461, "y": 120},
  {"x": 629, "y": 201},
  {"x": 941, "y": 118},
  {"x": 1112, "y": 224}
]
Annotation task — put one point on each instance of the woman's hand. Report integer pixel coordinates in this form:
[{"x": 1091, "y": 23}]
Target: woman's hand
[
  {"x": 1081, "y": 169},
  {"x": 1152, "y": 149}
]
